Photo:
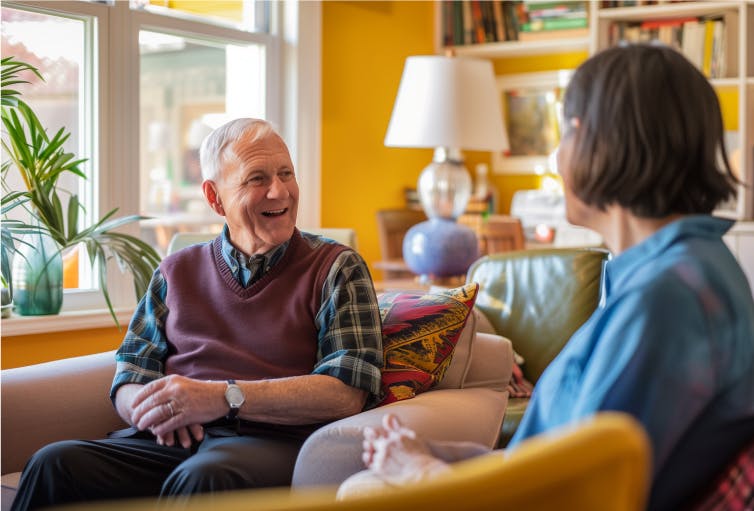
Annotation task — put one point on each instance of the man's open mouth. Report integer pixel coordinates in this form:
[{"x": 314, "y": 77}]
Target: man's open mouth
[{"x": 275, "y": 212}]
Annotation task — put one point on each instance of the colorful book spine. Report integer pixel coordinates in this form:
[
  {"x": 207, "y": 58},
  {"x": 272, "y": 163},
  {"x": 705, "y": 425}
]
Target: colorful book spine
[
  {"x": 497, "y": 8},
  {"x": 478, "y": 23},
  {"x": 554, "y": 24},
  {"x": 709, "y": 32},
  {"x": 468, "y": 23}
]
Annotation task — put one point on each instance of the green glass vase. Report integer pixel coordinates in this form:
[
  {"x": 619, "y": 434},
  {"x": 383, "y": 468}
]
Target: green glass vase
[{"x": 37, "y": 276}]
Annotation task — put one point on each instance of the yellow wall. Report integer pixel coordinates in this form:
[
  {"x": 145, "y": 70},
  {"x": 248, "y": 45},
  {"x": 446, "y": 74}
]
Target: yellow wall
[
  {"x": 364, "y": 46},
  {"x": 24, "y": 350}
]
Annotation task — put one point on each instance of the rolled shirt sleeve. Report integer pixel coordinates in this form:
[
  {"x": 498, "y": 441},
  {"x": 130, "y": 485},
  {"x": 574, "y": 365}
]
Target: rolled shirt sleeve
[
  {"x": 140, "y": 358},
  {"x": 350, "y": 328}
]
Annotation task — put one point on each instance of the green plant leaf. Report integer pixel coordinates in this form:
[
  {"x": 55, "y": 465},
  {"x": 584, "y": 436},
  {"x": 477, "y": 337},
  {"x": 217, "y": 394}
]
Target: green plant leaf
[
  {"x": 73, "y": 216},
  {"x": 12, "y": 200},
  {"x": 41, "y": 160},
  {"x": 9, "y": 70}
]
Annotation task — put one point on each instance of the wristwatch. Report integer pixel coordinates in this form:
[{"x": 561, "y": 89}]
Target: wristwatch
[{"x": 235, "y": 398}]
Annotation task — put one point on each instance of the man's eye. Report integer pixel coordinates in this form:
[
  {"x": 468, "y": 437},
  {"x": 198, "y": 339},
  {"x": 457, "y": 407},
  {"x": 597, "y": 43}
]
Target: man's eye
[
  {"x": 285, "y": 175},
  {"x": 255, "y": 180}
]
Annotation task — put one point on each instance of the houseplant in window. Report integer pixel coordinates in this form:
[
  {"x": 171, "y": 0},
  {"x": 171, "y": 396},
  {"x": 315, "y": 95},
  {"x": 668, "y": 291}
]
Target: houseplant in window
[{"x": 32, "y": 243}]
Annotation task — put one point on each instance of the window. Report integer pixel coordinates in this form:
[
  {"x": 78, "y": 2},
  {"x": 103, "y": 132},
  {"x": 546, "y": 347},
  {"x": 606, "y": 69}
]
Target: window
[
  {"x": 56, "y": 46},
  {"x": 142, "y": 85},
  {"x": 187, "y": 88}
]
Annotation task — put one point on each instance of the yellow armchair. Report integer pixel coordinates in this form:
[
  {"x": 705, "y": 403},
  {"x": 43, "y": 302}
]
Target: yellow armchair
[{"x": 601, "y": 465}]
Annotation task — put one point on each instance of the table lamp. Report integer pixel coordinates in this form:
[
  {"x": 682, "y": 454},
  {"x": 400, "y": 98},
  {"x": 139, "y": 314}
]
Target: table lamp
[{"x": 449, "y": 104}]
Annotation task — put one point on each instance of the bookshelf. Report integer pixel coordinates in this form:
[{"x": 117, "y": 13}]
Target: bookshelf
[
  {"x": 734, "y": 69},
  {"x": 506, "y": 44}
]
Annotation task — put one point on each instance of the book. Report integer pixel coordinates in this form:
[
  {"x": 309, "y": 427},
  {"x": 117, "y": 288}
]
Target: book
[
  {"x": 544, "y": 35},
  {"x": 448, "y": 21},
  {"x": 488, "y": 21},
  {"x": 557, "y": 10},
  {"x": 511, "y": 16},
  {"x": 719, "y": 46},
  {"x": 709, "y": 29},
  {"x": 554, "y": 24},
  {"x": 535, "y": 5},
  {"x": 497, "y": 8},
  {"x": 478, "y": 24},
  {"x": 458, "y": 24},
  {"x": 468, "y": 23},
  {"x": 652, "y": 24},
  {"x": 692, "y": 45}
]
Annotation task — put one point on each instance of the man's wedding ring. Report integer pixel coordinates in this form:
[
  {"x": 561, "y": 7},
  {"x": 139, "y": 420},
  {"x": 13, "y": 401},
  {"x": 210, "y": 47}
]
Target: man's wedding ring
[{"x": 170, "y": 407}]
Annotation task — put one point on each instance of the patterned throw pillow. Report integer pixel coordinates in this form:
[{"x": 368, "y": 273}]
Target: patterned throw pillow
[{"x": 419, "y": 334}]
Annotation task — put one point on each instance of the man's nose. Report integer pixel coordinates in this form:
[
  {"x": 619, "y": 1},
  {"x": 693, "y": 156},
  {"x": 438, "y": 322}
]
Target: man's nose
[{"x": 277, "y": 189}]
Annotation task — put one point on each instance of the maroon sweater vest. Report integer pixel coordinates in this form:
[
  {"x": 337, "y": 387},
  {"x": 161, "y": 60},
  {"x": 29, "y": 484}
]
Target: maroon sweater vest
[{"x": 216, "y": 329}]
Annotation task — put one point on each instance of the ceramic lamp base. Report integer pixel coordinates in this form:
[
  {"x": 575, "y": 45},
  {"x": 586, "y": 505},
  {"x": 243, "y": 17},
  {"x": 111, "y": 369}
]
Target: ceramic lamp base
[{"x": 439, "y": 247}]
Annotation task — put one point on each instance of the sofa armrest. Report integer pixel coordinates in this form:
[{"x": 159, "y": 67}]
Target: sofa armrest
[
  {"x": 64, "y": 399},
  {"x": 491, "y": 364},
  {"x": 333, "y": 453}
]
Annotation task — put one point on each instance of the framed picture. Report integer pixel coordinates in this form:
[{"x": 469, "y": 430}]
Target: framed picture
[{"x": 531, "y": 105}]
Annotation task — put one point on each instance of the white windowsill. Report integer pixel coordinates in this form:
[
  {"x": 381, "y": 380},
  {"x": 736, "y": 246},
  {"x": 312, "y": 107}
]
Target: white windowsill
[{"x": 65, "y": 321}]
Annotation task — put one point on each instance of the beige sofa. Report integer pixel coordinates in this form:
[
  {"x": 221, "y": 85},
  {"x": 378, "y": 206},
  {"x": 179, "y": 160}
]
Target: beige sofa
[{"x": 68, "y": 399}]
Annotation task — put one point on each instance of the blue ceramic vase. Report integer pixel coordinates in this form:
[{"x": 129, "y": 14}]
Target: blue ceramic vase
[
  {"x": 37, "y": 276},
  {"x": 440, "y": 247}
]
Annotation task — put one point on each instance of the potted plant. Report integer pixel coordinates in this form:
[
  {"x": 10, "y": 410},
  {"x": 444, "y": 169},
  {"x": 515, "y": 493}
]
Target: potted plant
[{"x": 41, "y": 160}]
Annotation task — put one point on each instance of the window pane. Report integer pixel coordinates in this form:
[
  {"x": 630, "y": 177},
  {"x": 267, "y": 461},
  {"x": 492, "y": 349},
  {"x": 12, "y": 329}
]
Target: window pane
[
  {"x": 188, "y": 87},
  {"x": 249, "y": 15},
  {"x": 55, "y": 46}
]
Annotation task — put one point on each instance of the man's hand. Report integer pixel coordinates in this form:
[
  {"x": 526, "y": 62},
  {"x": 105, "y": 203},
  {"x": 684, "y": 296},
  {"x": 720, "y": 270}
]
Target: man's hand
[{"x": 176, "y": 406}]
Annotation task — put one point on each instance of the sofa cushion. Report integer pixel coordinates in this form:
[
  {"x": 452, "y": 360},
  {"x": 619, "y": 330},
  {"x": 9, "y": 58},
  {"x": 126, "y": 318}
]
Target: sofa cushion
[
  {"x": 460, "y": 363},
  {"x": 489, "y": 366},
  {"x": 420, "y": 333}
]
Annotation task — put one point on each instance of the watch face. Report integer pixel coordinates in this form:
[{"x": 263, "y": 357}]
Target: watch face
[{"x": 234, "y": 396}]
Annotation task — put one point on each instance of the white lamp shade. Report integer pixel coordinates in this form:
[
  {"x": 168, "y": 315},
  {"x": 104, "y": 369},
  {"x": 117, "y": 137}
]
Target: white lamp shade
[{"x": 448, "y": 102}]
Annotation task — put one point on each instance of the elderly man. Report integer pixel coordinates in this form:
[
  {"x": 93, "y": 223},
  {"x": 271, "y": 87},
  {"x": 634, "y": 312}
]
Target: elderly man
[{"x": 240, "y": 349}]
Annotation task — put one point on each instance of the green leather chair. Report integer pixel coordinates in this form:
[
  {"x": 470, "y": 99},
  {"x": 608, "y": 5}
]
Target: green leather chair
[{"x": 537, "y": 299}]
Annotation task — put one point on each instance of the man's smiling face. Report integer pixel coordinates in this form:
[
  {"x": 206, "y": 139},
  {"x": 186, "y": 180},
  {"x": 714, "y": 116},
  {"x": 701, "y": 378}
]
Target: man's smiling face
[{"x": 258, "y": 193}]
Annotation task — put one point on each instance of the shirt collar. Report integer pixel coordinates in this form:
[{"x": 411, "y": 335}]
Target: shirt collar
[
  {"x": 248, "y": 269},
  {"x": 696, "y": 226}
]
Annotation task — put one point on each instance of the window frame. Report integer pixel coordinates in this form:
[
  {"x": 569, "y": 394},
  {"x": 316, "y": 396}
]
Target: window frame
[{"x": 292, "y": 58}]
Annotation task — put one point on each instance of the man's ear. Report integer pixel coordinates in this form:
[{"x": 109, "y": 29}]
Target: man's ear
[{"x": 213, "y": 199}]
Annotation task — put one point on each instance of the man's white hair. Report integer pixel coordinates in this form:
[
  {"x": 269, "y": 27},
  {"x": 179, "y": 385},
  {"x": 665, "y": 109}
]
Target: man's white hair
[{"x": 217, "y": 147}]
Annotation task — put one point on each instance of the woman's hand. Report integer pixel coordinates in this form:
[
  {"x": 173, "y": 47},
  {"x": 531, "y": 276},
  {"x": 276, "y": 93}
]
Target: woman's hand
[{"x": 397, "y": 455}]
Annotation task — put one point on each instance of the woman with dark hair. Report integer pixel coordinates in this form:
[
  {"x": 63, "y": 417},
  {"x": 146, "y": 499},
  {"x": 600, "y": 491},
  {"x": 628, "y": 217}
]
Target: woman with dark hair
[{"x": 672, "y": 341}]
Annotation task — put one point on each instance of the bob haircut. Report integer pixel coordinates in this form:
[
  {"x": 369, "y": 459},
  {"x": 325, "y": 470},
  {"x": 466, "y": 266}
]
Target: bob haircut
[
  {"x": 218, "y": 147},
  {"x": 650, "y": 134}
]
